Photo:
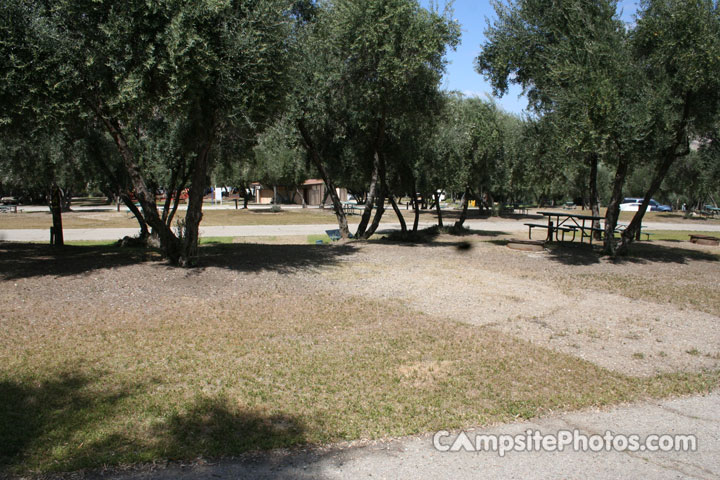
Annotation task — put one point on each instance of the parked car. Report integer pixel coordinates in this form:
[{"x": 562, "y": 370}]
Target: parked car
[
  {"x": 9, "y": 201},
  {"x": 656, "y": 207},
  {"x": 632, "y": 204}
]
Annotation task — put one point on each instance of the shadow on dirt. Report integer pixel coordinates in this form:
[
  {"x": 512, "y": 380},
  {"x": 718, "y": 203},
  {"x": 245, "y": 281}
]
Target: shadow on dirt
[
  {"x": 23, "y": 260},
  {"x": 639, "y": 253}
]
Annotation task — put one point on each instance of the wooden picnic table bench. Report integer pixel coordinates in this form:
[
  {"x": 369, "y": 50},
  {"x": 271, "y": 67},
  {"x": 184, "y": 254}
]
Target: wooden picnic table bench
[
  {"x": 8, "y": 208},
  {"x": 511, "y": 207},
  {"x": 350, "y": 208},
  {"x": 711, "y": 211},
  {"x": 574, "y": 222},
  {"x": 551, "y": 230},
  {"x": 704, "y": 239},
  {"x": 620, "y": 228}
]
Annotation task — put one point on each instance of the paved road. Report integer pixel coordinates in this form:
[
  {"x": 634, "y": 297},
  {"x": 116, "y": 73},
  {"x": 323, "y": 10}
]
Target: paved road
[
  {"x": 70, "y": 234},
  {"x": 501, "y": 225},
  {"x": 415, "y": 458}
]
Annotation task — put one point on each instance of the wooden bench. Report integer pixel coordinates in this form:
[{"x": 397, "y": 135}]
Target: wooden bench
[
  {"x": 620, "y": 228},
  {"x": 564, "y": 230},
  {"x": 705, "y": 240}
]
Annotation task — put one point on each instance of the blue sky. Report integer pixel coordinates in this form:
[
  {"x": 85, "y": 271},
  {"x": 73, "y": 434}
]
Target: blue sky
[{"x": 461, "y": 74}]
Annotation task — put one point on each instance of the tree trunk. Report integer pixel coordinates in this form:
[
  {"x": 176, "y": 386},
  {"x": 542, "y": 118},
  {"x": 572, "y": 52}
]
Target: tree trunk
[
  {"x": 169, "y": 193},
  {"x": 632, "y": 232},
  {"x": 437, "y": 209},
  {"x": 370, "y": 198},
  {"x": 488, "y": 202},
  {"x": 380, "y": 202},
  {"x": 463, "y": 214},
  {"x": 144, "y": 233},
  {"x": 123, "y": 195},
  {"x": 66, "y": 199},
  {"x": 326, "y": 194},
  {"x": 112, "y": 197},
  {"x": 168, "y": 241},
  {"x": 401, "y": 219},
  {"x": 193, "y": 217},
  {"x": 302, "y": 198},
  {"x": 379, "y": 211},
  {"x": 613, "y": 208},
  {"x": 416, "y": 206},
  {"x": 176, "y": 202},
  {"x": 594, "y": 196},
  {"x": 671, "y": 154},
  {"x": 56, "y": 210},
  {"x": 315, "y": 157},
  {"x": 246, "y": 197}
]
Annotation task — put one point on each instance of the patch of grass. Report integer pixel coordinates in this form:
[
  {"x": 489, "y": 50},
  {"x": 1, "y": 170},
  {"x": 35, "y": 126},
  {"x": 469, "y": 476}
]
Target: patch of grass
[
  {"x": 105, "y": 384},
  {"x": 681, "y": 290},
  {"x": 678, "y": 235},
  {"x": 215, "y": 240},
  {"x": 313, "y": 239},
  {"x": 91, "y": 243},
  {"x": 638, "y": 356},
  {"x": 693, "y": 351}
]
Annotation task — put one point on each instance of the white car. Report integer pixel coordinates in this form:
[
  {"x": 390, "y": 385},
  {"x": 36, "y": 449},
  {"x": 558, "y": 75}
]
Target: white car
[{"x": 630, "y": 204}]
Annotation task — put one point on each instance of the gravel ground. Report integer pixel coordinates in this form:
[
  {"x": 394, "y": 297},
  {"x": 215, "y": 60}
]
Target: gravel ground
[{"x": 542, "y": 298}]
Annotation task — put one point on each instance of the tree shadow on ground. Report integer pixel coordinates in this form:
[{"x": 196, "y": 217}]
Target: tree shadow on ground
[
  {"x": 264, "y": 210},
  {"x": 639, "y": 253},
  {"x": 22, "y": 260},
  {"x": 429, "y": 237},
  {"x": 60, "y": 425},
  {"x": 289, "y": 258},
  {"x": 40, "y": 416}
]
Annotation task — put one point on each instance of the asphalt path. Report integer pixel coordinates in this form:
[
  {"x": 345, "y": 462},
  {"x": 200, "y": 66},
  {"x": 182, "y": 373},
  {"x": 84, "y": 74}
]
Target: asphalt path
[{"x": 500, "y": 225}]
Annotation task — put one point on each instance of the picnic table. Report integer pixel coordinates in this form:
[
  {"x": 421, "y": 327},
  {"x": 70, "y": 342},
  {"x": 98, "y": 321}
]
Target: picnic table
[
  {"x": 8, "y": 208},
  {"x": 560, "y": 223},
  {"x": 512, "y": 207},
  {"x": 704, "y": 239},
  {"x": 620, "y": 228},
  {"x": 350, "y": 208},
  {"x": 712, "y": 211}
]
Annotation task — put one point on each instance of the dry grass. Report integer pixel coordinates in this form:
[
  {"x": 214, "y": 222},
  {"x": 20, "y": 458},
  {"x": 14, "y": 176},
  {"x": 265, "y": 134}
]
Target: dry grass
[{"x": 108, "y": 358}]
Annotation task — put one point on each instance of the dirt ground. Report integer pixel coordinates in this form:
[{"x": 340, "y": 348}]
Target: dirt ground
[
  {"x": 110, "y": 356},
  {"x": 656, "y": 311}
]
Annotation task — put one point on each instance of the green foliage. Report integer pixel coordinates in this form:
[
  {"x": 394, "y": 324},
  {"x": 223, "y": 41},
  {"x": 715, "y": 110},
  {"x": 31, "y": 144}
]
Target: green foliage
[
  {"x": 604, "y": 89},
  {"x": 369, "y": 70},
  {"x": 465, "y": 150}
]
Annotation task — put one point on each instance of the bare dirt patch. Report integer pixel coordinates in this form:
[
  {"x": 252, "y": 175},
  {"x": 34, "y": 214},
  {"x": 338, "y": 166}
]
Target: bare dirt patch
[{"x": 586, "y": 307}]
